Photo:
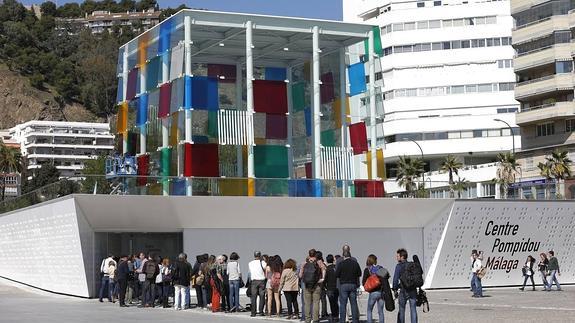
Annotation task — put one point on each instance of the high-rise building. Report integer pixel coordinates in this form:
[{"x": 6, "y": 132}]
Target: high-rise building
[
  {"x": 542, "y": 38},
  {"x": 446, "y": 78},
  {"x": 66, "y": 145}
]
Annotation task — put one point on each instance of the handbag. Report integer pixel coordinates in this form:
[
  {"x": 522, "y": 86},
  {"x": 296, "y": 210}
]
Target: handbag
[
  {"x": 482, "y": 272},
  {"x": 249, "y": 288},
  {"x": 421, "y": 300}
]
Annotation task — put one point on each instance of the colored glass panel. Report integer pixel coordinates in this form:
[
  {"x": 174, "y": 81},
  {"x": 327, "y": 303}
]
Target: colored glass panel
[
  {"x": 132, "y": 84},
  {"x": 270, "y": 96},
  {"x": 122, "y": 120},
  {"x": 132, "y": 143},
  {"x": 142, "y": 48},
  {"x": 358, "y": 137},
  {"x": 143, "y": 162},
  {"x": 202, "y": 92},
  {"x": 337, "y": 112},
  {"x": 177, "y": 62},
  {"x": 233, "y": 186},
  {"x": 305, "y": 188},
  {"x": 275, "y": 74},
  {"x": 187, "y": 92},
  {"x": 142, "y": 114},
  {"x": 174, "y": 130},
  {"x": 153, "y": 73},
  {"x": 328, "y": 138},
  {"x": 378, "y": 48},
  {"x": 200, "y": 139},
  {"x": 307, "y": 113},
  {"x": 223, "y": 73},
  {"x": 177, "y": 95},
  {"x": 327, "y": 88},
  {"x": 166, "y": 161},
  {"x": 178, "y": 187},
  {"x": 308, "y": 170},
  {"x": 213, "y": 124},
  {"x": 272, "y": 187},
  {"x": 276, "y": 126},
  {"x": 365, "y": 188},
  {"x": 298, "y": 96},
  {"x": 271, "y": 161},
  {"x": 165, "y": 93},
  {"x": 120, "y": 90},
  {"x": 380, "y": 163},
  {"x": 356, "y": 74},
  {"x": 165, "y": 34},
  {"x": 201, "y": 160}
]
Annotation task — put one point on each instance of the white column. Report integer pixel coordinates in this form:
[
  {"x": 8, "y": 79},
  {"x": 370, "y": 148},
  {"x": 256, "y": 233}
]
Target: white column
[
  {"x": 239, "y": 89},
  {"x": 250, "y": 92},
  {"x": 143, "y": 69},
  {"x": 165, "y": 121},
  {"x": 125, "y": 90},
  {"x": 343, "y": 114},
  {"x": 316, "y": 129},
  {"x": 289, "y": 123},
  {"x": 372, "y": 120},
  {"x": 187, "y": 112}
]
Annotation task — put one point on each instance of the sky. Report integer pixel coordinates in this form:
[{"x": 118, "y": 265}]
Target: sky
[{"x": 320, "y": 9}]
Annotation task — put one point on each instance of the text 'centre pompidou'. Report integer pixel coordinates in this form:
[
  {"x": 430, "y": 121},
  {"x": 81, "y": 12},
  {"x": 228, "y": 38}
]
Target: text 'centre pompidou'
[{"x": 248, "y": 105}]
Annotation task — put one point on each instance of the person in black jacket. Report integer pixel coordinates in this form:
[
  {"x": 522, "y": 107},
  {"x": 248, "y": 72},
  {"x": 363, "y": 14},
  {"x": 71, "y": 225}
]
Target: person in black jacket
[
  {"x": 330, "y": 284},
  {"x": 198, "y": 281},
  {"x": 181, "y": 278},
  {"x": 122, "y": 277},
  {"x": 348, "y": 272}
]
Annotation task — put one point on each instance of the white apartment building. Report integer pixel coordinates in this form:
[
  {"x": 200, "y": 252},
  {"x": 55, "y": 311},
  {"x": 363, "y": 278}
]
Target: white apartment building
[
  {"x": 446, "y": 74},
  {"x": 66, "y": 145}
]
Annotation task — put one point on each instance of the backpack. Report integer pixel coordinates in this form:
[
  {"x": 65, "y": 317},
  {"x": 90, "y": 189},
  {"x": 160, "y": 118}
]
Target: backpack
[
  {"x": 150, "y": 269},
  {"x": 275, "y": 282},
  {"x": 310, "y": 275},
  {"x": 373, "y": 282},
  {"x": 412, "y": 276}
]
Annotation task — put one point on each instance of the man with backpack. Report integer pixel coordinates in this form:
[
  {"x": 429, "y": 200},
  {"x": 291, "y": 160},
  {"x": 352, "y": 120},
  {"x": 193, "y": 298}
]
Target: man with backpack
[
  {"x": 408, "y": 276},
  {"x": 348, "y": 272},
  {"x": 330, "y": 284},
  {"x": 151, "y": 270},
  {"x": 311, "y": 276}
]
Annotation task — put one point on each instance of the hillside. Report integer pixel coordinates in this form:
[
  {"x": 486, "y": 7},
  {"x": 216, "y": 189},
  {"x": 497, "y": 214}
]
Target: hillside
[{"x": 20, "y": 102}]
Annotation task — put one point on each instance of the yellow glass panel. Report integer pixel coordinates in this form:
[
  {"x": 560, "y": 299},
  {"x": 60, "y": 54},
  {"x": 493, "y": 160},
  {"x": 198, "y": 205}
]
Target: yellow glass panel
[
  {"x": 155, "y": 189},
  {"x": 380, "y": 163},
  {"x": 122, "y": 121},
  {"x": 337, "y": 111},
  {"x": 174, "y": 130},
  {"x": 251, "y": 187},
  {"x": 260, "y": 141},
  {"x": 233, "y": 186},
  {"x": 368, "y": 162},
  {"x": 142, "y": 49}
]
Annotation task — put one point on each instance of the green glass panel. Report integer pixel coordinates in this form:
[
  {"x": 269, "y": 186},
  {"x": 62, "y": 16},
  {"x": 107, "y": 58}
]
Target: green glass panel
[
  {"x": 166, "y": 161},
  {"x": 328, "y": 138},
  {"x": 298, "y": 96},
  {"x": 378, "y": 49},
  {"x": 152, "y": 73},
  {"x": 213, "y": 124},
  {"x": 271, "y": 161}
]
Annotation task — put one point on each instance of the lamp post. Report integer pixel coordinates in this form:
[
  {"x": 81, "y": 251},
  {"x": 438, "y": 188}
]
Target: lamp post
[
  {"x": 510, "y": 129},
  {"x": 421, "y": 150}
]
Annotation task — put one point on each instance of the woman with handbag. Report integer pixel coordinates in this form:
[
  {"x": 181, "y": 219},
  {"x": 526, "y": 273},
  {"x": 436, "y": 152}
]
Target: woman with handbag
[
  {"x": 528, "y": 272},
  {"x": 372, "y": 285},
  {"x": 542, "y": 267},
  {"x": 235, "y": 280}
]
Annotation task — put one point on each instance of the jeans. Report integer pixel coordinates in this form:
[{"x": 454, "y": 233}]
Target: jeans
[
  {"x": 333, "y": 297},
  {"x": 553, "y": 278},
  {"x": 291, "y": 300},
  {"x": 234, "y": 294},
  {"x": 478, "y": 290},
  {"x": 544, "y": 279},
  {"x": 149, "y": 292},
  {"x": 180, "y": 296},
  {"x": 375, "y": 298},
  {"x": 258, "y": 289},
  {"x": 403, "y": 298},
  {"x": 527, "y": 278},
  {"x": 105, "y": 283},
  {"x": 348, "y": 292},
  {"x": 205, "y": 296},
  {"x": 311, "y": 298},
  {"x": 113, "y": 289},
  {"x": 130, "y": 291},
  {"x": 323, "y": 299}
]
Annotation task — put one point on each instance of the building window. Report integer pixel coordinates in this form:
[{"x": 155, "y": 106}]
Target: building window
[
  {"x": 421, "y": 4},
  {"x": 436, "y": 3},
  {"x": 487, "y": 190},
  {"x": 563, "y": 67},
  {"x": 546, "y": 129},
  {"x": 570, "y": 125}
]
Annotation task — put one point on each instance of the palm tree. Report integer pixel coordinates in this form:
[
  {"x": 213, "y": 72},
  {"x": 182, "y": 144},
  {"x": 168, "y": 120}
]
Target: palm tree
[
  {"x": 461, "y": 185},
  {"x": 10, "y": 162},
  {"x": 408, "y": 170},
  {"x": 451, "y": 165},
  {"x": 545, "y": 171},
  {"x": 560, "y": 167},
  {"x": 506, "y": 171}
]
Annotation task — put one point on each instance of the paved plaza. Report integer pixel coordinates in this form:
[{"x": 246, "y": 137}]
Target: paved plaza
[{"x": 24, "y": 304}]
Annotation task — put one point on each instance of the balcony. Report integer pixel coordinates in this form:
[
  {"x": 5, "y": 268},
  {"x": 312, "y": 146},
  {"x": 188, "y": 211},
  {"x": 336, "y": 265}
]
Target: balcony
[
  {"x": 544, "y": 84},
  {"x": 520, "y": 5},
  {"x": 543, "y": 56},
  {"x": 540, "y": 28},
  {"x": 545, "y": 112}
]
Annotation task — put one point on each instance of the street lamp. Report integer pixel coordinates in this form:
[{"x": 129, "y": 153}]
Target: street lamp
[
  {"x": 510, "y": 129},
  {"x": 422, "y": 174}
]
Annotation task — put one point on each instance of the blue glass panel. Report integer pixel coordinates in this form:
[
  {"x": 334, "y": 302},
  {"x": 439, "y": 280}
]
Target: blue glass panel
[
  {"x": 188, "y": 92},
  {"x": 179, "y": 186},
  {"x": 120, "y": 90},
  {"x": 142, "y": 115},
  {"x": 165, "y": 32},
  {"x": 307, "y": 112},
  {"x": 356, "y": 73},
  {"x": 276, "y": 74},
  {"x": 204, "y": 92},
  {"x": 305, "y": 188}
]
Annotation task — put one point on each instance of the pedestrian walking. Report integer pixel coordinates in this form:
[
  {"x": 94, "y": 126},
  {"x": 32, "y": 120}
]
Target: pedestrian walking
[
  {"x": 554, "y": 271},
  {"x": 542, "y": 267},
  {"x": 476, "y": 266},
  {"x": 528, "y": 272}
]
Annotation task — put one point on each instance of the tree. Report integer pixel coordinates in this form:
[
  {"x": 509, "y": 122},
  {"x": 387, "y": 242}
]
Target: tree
[
  {"x": 10, "y": 162},
  {"x": 94, "y": 172},
  {"x": 408, "y": 170},
  {"x": 46, "y": 174},
  {"x": 559, "y": 167},
  {"x": 545, "y": 171},
  {"x": 49, "y": 8},
  {"x": 451, "y": 165},
  {"x": 507, "y": 169},
  {"x": 460, "y": 186}
]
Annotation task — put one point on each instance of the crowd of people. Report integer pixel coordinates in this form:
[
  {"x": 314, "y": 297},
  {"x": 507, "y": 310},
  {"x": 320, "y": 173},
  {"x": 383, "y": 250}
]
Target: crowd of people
[{"x": 325, "y": 285}]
